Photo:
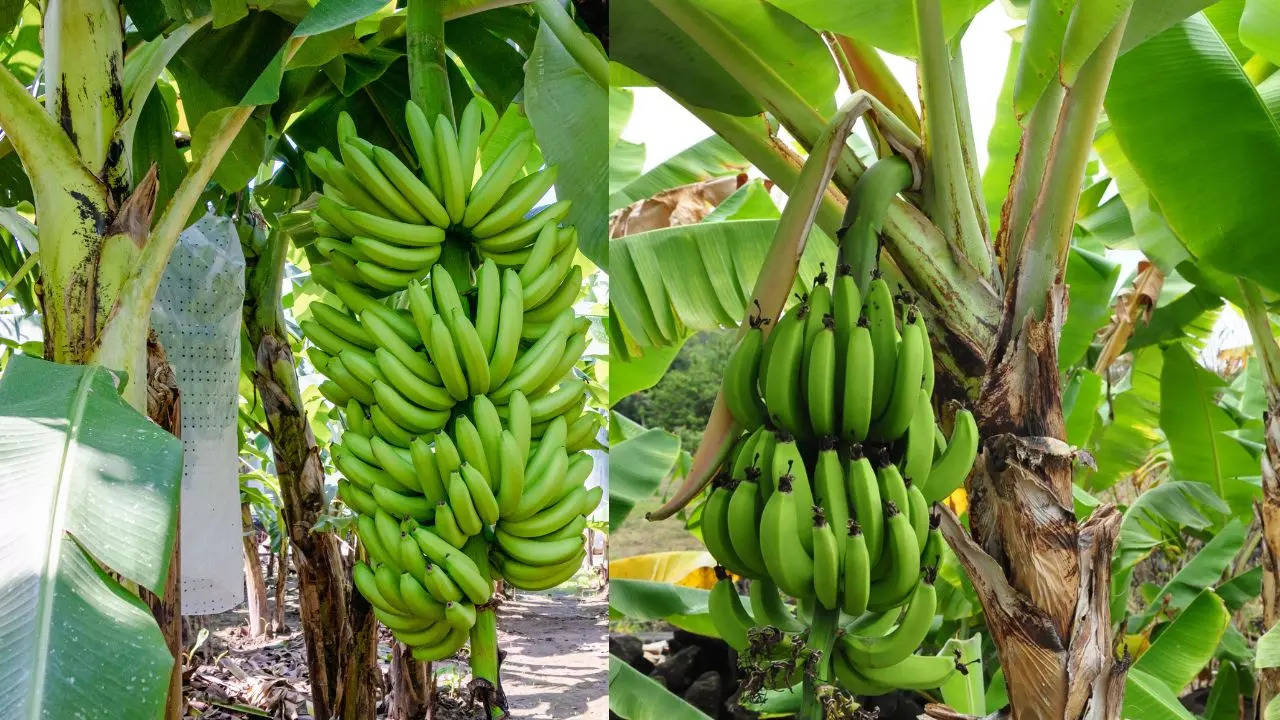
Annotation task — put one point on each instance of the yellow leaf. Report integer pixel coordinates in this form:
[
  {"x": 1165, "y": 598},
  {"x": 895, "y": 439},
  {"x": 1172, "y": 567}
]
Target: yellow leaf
[{"x": 691, "y": 568}]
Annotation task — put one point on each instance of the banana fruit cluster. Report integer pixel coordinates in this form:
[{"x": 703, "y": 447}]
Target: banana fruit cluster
[
  {"x": 827, "y": 496},
  {"x": 463, "y": 451}
]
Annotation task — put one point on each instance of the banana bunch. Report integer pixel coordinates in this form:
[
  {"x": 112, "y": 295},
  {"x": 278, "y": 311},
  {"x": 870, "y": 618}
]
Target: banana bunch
[
  {"x": 380, "y": 225},
  {"x": 465, "y": 424},
  {"x": 827, "y": 497}
]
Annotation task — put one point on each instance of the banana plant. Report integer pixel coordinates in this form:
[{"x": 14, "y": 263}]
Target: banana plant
[{"x": 992, "y": 260}]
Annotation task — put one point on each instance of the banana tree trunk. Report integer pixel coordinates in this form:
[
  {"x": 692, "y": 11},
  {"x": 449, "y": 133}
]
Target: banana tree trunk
[
  {"x": 412, "y": 693},
  {"x": 255, "y": 587},
  {"x": 338, "y": 648},
  {"x": 164, "y": 407},
  {"x": 1268, "y": 353},
  {"x": 1042, "y": 577}
]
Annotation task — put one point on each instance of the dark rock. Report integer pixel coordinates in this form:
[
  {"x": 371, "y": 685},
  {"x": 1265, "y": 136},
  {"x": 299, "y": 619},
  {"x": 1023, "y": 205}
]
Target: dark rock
[
  {"x": 715, "y": 653},
  {"x": 706, "y": 693},
  {"x": 895, "y": 706},
  {"x": 676, "y": 671},
  {"x": 630, "y": 650}
]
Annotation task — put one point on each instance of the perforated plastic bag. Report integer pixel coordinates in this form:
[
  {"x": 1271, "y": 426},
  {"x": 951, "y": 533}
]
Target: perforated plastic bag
[{"x": 197, "y": 318}]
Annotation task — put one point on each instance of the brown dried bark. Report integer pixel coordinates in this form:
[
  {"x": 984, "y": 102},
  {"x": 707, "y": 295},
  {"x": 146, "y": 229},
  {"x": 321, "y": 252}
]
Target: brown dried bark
[
  {"x": 255, "y": 587},
  {"x": 339, "y": 638},
  {"x": 412, "y": 692},
  {"x": 1269, "y": 511},
  {"x": 164, "y": 407}
]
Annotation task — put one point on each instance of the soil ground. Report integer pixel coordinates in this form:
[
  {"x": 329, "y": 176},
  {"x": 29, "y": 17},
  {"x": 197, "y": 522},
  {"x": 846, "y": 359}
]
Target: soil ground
[{"x": 554, "y": 668}]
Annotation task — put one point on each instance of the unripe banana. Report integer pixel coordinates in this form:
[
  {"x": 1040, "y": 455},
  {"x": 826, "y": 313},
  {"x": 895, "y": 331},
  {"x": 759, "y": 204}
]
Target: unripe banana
[
  {"x": 424, "y": 147},
  {"x": 496, "y": 180},
  {"x": 788, "y": 562},
  {"x": 884, "y": 341},
  {"x": 716, "y": 530},
  {"x": 857, "y": 385},
  {"x": 469, "y": 130},
  {"x": 731, "y": 619},
  {"x": 918, "y": 456},
  {"x": 820, "y": 378},
  {"x": 768, "y": 607},
  {"x": 856, "y": 568},
  {"x": 828, "y": 487},
  {"x": 741, "y": 378},
  {"x": 950, "y": 470},
  {"x": 451, "y": 171},
  {"x": 907, "y": 380},
  {"x": 788, "y": 461},
  {"x": 518, "y": 200},
  {"x": 446, "y": 526},
  {"x": 826, "y": 561},
  {"x": 744, "y": 522},
  {"x": 881, "y": 652},
  {"x": 464, "y": 510},
  {"x": 901, "y": 557},
  {"x": 783, "y": 396}
]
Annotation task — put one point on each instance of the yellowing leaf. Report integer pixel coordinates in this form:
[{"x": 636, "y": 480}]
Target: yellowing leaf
[{"x": 690, "y": 568}]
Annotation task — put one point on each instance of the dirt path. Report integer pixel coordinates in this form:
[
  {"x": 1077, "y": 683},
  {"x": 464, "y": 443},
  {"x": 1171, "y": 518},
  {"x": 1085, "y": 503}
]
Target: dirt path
[{"x": 557, "y": 651}]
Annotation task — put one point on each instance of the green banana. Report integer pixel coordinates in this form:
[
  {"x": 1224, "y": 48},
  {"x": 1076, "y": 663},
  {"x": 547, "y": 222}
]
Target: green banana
[
  {"x": 418, "y": 194},
  {"x": 515, "y": 203},
  {"x": 424, "y": 146},
  {"x": 730, "y": 618},
  {"x": 882, "y": 326},
  {"x": 901, "y": 557},
  {"x": 464, "y": 510},
  {"x": 907, "y": 380},
  {"x": 782, "y": 393},
  {"x": 950, "y": 470},
  {"x": 744, "y": 522},
  {"x": 495, "y": 181},
  {"x": 451, "y": 171},
  {"x": 918, "y": 456},
  {"x": 789, "y": 564},
  {"x": 887, "y": 650},
  {"x": 768, "y": 607},
  {"x": 820, "y": 378},
  {"x": 826, "y": 561},
  {"x": 856, "y": 569},
  {"x": 828, "y": 486}
]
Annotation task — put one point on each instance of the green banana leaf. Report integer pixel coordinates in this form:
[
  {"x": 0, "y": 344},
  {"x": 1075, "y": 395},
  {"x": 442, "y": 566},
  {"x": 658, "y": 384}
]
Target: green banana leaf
[
  {"x": 963, "y": 691},
  {"x": 632, "y": 375},
  {"x": 1260, "y": 28},
  {"x": 1213, "y": 192},
  {"x": 1148, "y": 698},
  {"x": 1195, "y": 426},
  {"x": 633, "y": 696},
  {"x": 887, "y": 24},
  {"x": 645, "y": 600},
  {"x": 1191, "y": 315},
  {"x": 1121, "y": 445},
  {"x": 1157, "y": 518},
  {"x": 637, "y": 467},
  {"x": 1224, "y": 697},
  {"x": 1091, "y": 280},
  {"x": 735, "y": 56},
  {"x": 1202, "y": 571},
  {"x": 668, "y": 283},
  {"x": 705, "y": 159},
  {"x": 1183, "y": 648},
  {"x": 1002, "y": 144},
  {"x": 1080, "y": 401},
  {"x": 1268, "y": 653},
  {"x": 568, "y": 109},
  {"x": 88, "y": 485}
]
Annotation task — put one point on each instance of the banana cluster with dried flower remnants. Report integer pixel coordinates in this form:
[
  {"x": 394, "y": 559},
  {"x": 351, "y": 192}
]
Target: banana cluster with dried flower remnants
[{"x": 827, "y": 495}]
